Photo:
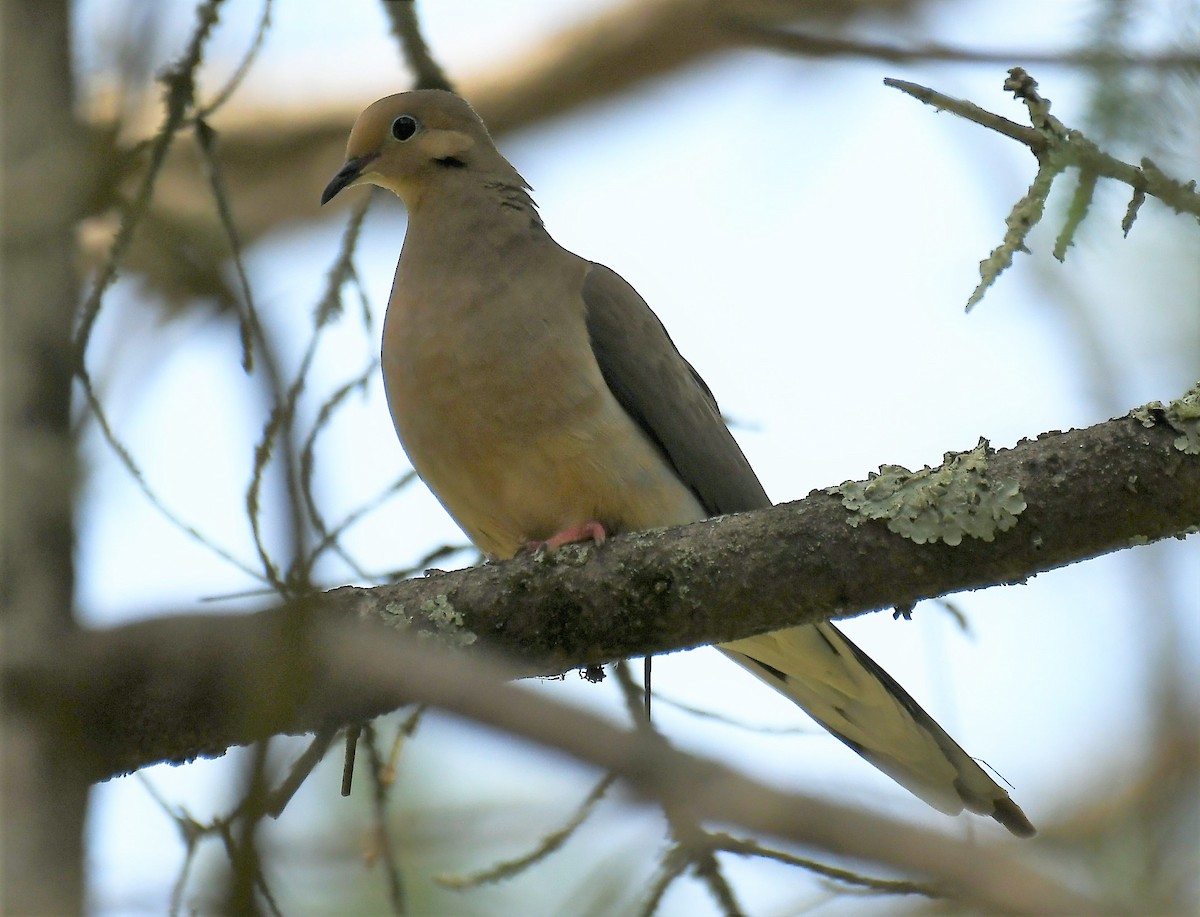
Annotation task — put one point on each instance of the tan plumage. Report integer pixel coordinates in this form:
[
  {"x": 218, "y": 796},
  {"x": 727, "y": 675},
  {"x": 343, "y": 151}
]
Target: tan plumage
[{"x": 535, "y": 392}]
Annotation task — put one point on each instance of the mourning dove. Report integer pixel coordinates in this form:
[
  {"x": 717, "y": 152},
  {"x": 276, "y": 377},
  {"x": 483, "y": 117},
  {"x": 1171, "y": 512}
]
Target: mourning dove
[{"x": 543, "y": 403}]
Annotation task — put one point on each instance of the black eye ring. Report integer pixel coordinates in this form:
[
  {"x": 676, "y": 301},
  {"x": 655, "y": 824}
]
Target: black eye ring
[{"x": 404, "y": 127}]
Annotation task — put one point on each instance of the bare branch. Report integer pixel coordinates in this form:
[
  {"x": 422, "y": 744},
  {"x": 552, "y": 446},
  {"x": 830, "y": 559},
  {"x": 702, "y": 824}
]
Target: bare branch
[
  {"x": 1087, "y": 492},
  {"x": 811, "y": 45},
  {"x": 384, "y": 849},
  {"x": 1057, "y": 148},
  {"x": 1076, "y": 149},
  {"x": 972, "y": 112},
  {"x": 549, "y": 844}
]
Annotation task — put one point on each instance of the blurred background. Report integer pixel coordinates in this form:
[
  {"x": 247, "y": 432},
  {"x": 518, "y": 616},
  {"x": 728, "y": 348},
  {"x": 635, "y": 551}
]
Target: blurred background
[{"x": 809, "y": 237}]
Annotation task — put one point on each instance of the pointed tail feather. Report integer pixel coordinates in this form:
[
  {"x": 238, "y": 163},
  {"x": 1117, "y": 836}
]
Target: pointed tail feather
[{"x": 848, "y": 693}]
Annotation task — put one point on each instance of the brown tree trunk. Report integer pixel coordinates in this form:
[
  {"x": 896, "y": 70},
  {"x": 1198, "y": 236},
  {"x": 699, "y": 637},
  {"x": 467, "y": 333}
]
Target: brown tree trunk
[{"x": 44, "y": 797}]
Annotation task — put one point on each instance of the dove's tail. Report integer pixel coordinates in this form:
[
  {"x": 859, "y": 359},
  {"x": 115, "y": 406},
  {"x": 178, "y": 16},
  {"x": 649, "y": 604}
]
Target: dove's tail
[{"x": 848, "y": 693}]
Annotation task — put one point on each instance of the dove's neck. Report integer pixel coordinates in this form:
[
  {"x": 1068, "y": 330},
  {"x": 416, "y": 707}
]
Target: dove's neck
[
  {"x": 471, "y": 220},
  {"x": 494, "y": 193}
]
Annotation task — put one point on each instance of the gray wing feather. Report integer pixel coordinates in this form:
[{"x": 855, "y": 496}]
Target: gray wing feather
[{"x": 661, "y": 391}]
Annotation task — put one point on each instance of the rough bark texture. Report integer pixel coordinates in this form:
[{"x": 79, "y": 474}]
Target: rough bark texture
[
  {"x": 173, "y": 689},
  {"x": 44, "y": 793}
]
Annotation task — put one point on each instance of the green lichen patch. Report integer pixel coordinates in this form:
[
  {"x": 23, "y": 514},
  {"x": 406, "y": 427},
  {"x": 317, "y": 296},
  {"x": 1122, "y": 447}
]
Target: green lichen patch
[
  {"x": 1026, "y": 214},
  {"x": 573, "y": 554},
  {"x": 1182, "y": 415},
  {"x": 434, "y": 619},
  {"x": 937, "y": 504}
]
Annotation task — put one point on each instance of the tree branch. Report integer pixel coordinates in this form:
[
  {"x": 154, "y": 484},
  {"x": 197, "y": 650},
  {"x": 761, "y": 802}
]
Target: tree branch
[
  {"x": 1087, "y": 492},
  {"x": 345, "y": 668},
  {"x": 1052, "y": 137},
  {"x": 809, "y": 44},
  {"x": 427, "y": 72},
  {"x": 47, "y": 171}
]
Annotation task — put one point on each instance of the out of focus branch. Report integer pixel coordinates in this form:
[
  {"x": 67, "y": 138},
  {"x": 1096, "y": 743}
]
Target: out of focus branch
[
  {"x": 221, "y": 662},
  {"x": 270, "y": 155},
  {"x": 43, "y": 796},
  {"x": 812, "y": 45},
  {"x": 428, "y": 73}
]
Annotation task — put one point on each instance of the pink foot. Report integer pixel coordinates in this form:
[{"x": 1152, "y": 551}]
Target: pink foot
[{"x": 589, "y": 531}]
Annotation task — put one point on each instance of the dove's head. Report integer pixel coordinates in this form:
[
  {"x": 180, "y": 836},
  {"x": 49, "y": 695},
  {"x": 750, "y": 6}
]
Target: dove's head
[{"x": 407, "y": 141}]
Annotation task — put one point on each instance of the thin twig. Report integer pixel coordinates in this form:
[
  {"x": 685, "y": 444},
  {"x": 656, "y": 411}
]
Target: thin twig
[
  {"x": 97, "y": 412},
  {"x": 190, "y": 831},
  {"x": 329, "y": 538},
  {"x": 506, "y": 869},
  {"x": 247, "y": 874},
  {"x": 249, "y": 324},
  {"x": 329, "y": 307},
  {"x": 243, "y": 68},
  {"x": 383, "y": 836},
  {"x": 972, "y": 112},
  {"x": 693, "y": 844},
  {"x": 1148, "y": 178},
  {"x": 405, "y": 732},
  {"x": 724, "y": 720},
  {"x": 180, "y": 84},
  {"x": 674, "y": 864},
  {"x": 1057, "y": 148},
  {"x": 276, "y": 801},
  {"x": 743, "y": 847}
]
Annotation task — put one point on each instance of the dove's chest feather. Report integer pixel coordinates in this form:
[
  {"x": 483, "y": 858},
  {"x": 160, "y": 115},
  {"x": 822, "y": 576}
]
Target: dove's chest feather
[{"x": 503, "y": 411}]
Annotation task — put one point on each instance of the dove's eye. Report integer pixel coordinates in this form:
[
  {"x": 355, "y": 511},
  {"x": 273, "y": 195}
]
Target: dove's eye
[{"x": 404, "y": 127}]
